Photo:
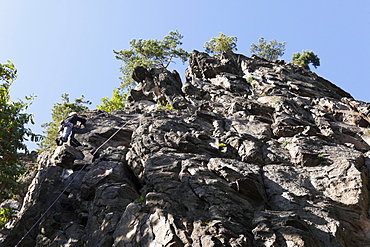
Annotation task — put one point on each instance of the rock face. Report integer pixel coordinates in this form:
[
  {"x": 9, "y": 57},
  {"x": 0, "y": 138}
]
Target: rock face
[{"x": 245, "y": 152}]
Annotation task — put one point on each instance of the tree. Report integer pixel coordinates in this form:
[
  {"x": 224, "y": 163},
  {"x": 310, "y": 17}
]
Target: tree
[
  {"x": 220, "y": 44},
  {"x": 270, "y": 51},
  {"x": 305, "y": 58},
  {"x": 150, "y": 53},
  {"x": 116, "y": 102},
  {"x": 58, "y": 113},
  {"x": 13, "y": 132}
]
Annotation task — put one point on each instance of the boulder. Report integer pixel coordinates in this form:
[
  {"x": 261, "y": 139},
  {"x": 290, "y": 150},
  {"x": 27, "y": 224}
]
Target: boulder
[{"x": 64, "y": 156}]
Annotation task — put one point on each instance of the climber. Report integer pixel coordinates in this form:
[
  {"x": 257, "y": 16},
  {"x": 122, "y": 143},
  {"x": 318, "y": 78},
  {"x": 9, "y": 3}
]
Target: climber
[{"x": 66, "y": 128}]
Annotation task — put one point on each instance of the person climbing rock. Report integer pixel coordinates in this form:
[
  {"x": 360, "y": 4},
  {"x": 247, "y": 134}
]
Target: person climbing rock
[{"x": 66, "y": 128}]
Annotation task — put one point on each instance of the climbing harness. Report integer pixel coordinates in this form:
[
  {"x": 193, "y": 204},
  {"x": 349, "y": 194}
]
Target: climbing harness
[{"x": 78, "y": 173}]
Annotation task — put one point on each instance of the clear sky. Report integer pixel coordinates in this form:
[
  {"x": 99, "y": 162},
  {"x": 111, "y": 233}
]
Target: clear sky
[{"x": 65, "y": 46}]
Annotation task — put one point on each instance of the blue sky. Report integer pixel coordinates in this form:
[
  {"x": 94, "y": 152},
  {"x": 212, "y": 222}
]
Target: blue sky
[{"x": 65, "y": 46}]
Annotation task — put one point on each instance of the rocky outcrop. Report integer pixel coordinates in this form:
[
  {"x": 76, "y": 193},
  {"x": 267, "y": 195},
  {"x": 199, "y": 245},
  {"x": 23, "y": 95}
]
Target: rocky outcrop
[{"x": 245, "y": 152}]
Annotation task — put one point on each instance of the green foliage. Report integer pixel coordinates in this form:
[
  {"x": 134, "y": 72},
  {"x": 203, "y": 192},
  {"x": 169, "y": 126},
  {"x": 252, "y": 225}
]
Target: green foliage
[
  {"x": 6, "y": 214},
  {"x": 220, "y": 44},
  {"x": 116, "y": 102},
  {"x": 164, "y": 105},
  {"x": 284, "y": 144},
  {"x": 250, "y": 80},
  {"x": 58, "y": 113},
  {"x": 12, "y": 132},
  {"x": 305, "y": 58},
  {"x": 270, "y": 51},
  {"x": 141, "y": 200},
  {"x": 150, "y": 53}
]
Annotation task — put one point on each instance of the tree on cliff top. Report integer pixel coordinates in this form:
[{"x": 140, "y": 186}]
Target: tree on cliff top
[
  {"x": 220, "y": 44},
  {"x": 269, "y": 51},
  {"x": 58, "y": 113},
  {"x": 305, "y": 58},
  {"x": 150, "y": 53},
  {"x": 13, "y": 132}
]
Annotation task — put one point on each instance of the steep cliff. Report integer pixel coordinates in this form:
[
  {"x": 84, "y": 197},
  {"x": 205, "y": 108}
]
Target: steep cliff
[{"x": 245, "y": 152}]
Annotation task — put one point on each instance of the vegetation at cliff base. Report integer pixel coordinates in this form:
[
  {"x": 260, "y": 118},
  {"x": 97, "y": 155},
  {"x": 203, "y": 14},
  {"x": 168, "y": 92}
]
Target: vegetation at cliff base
[
  {"x": 13, "y": 133},
  {"x": 6, "y": 214}
]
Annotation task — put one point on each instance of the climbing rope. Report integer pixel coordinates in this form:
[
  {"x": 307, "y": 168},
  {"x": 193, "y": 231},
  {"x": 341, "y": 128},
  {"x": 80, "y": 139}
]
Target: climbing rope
[{"x": 69, "y": 184}]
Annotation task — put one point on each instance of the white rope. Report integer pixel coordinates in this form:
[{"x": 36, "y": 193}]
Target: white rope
[{"x": 64, "y": 190}]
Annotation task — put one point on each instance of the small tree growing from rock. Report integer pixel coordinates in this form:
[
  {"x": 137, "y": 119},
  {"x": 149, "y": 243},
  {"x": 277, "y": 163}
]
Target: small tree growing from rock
[
  {"x": 150, "y": 53},
  {"x": 305, "y": 58},
  {"x": 270, "y": 51},
  {"x": 220, "y": 44}
]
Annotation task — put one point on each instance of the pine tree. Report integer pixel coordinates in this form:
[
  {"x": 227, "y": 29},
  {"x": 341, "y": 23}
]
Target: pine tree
[
  {"x": 220, "y": 44},
  {"x": 269, "y": 51},
  {"x": 305, "y": 58},
  {"x": 150, "y": 53}
]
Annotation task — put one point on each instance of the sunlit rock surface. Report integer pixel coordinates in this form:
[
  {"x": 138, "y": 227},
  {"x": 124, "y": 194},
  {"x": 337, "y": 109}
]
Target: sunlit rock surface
[{"x": 245, "y": 152}]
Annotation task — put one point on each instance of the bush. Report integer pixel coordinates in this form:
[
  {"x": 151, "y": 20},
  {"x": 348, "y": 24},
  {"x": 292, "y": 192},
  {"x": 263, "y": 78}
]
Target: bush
[
  {"x": 305, "y": 58},
  {"x": 116, "y": 102},
  {"x": 6, "y": 214}
]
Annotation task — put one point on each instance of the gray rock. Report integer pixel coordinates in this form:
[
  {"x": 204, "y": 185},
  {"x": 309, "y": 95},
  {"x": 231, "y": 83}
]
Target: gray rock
[
  {"x": 64, "y": 156},
  {"x": 246, "y": 152}
]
